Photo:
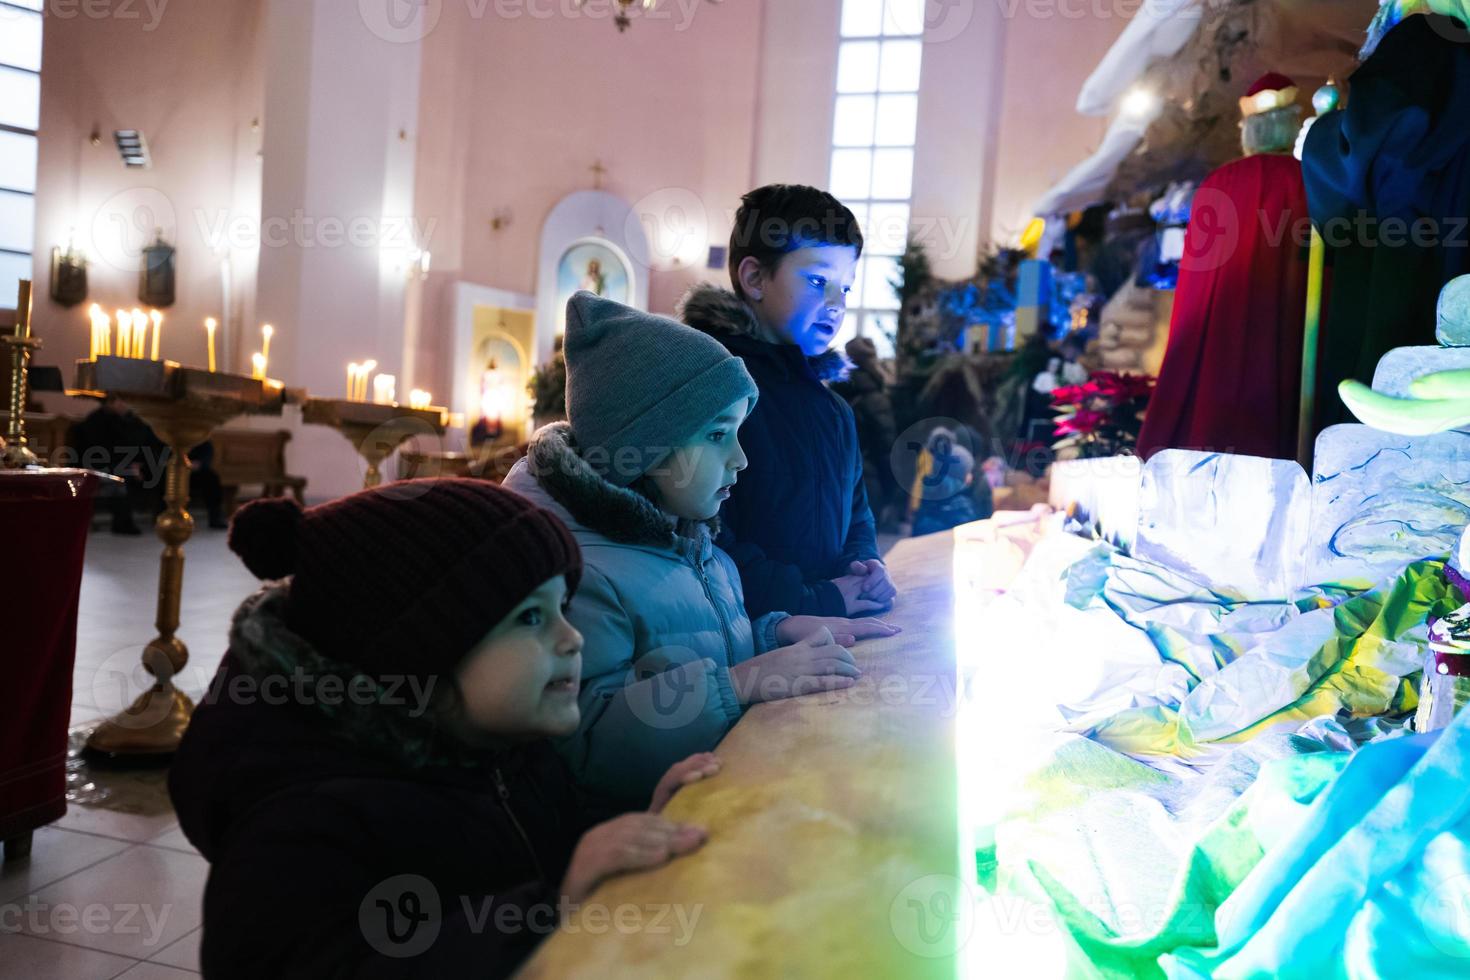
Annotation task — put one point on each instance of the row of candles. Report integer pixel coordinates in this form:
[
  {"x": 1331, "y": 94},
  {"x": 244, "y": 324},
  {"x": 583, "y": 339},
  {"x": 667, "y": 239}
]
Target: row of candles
[
  {"x": 133, "y": 341},
  {"x": 384, "y": 387},
  {"x": 132, "y": 333},
  {"x": 133, "y": 338}
]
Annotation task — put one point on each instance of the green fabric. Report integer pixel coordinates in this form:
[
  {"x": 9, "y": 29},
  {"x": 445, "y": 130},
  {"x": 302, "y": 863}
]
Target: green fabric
[{"x": 1134, "y": 861}]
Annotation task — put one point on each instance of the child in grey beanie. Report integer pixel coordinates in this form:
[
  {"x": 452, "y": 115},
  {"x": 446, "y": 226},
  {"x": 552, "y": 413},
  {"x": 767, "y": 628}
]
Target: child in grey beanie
[{"x": 638, "y": 473}]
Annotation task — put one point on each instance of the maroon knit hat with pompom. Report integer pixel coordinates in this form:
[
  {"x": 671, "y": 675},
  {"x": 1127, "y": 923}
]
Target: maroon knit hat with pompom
[{"x": 407, "y": 578}]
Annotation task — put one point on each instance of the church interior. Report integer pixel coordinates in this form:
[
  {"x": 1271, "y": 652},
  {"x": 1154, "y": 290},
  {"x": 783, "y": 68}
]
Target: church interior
[{"x": 881, "y": 488}]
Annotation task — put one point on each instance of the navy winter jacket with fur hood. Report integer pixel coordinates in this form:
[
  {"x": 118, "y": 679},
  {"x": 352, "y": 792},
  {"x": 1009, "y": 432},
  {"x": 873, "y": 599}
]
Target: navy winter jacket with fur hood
[{"x": 799, "y": 514}]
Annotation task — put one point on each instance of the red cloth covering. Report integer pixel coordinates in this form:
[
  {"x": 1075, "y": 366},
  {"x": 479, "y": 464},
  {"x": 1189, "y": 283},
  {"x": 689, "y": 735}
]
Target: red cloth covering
[
  {"x": 44, "y": 519},
  {"x": 1231, "y": 378}
]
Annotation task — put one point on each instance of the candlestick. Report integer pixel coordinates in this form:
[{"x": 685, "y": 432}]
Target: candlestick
[
  {"x": 157, "y": 319},
  {"x": 257, "y": 360},
  {"x": 209, "y": 325},
  {"x": 15, "y": 453}
]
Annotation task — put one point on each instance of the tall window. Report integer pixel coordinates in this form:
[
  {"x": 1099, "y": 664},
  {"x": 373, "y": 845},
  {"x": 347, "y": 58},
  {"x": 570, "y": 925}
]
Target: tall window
[
  {"x": 20, "y": 111},
  {"x": 878, "y": 61}
]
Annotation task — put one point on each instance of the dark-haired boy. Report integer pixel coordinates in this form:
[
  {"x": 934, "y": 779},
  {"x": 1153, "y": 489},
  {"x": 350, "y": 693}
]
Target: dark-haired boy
[{"x": 797, "y": 523}]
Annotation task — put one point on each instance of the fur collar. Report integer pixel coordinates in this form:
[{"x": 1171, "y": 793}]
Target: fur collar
[
  {"x": 623, "y": 515},
  {"x": 259, "y": 636},
  {"x": 715, "y": 311}
]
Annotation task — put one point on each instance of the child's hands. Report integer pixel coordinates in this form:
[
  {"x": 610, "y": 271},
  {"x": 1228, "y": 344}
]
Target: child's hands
[
  {"x": 632, "y": 842},
  {"x": 681, "y": 774},
  {"x": 845, "y": 632},
  {"x": 877, "y": 585},
  {"x": 851, "y": 587},
  {"x": 814, "y": 664}
]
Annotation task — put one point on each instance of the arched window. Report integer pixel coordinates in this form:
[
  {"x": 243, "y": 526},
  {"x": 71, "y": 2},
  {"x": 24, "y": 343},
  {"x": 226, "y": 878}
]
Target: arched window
[
  {"x": 20, "y": 110},
  {"x": 878, "y": 62}
]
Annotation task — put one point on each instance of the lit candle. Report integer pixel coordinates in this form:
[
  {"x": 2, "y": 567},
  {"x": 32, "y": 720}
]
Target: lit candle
[
  {"x": 209, "y": 325},
  {"x": 362, "y": 382},
  {"x": 351, "y": 380},
  {"x": 258, "y": 361},
  {"x": 266, "y": 332},
  {"x": 124, "y": 325},
  {"x": 157, "y": 318},
  {"x": 419, "y": 399},
  {"x": 384, "y": 389},
  {"x": 140, "y": 333}
]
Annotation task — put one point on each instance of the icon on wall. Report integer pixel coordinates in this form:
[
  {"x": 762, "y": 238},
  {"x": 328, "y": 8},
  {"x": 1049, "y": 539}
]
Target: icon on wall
[{"x": 156, "y": 280}]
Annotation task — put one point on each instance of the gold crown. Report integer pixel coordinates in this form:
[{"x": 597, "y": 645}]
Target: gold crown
[{"x": 1278, "y": 98}]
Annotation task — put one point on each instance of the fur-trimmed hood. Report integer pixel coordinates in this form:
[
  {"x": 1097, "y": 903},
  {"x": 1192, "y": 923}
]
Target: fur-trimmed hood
[
  {"x": 720, "y": 313},
  {"x": 554, "y": 464}
]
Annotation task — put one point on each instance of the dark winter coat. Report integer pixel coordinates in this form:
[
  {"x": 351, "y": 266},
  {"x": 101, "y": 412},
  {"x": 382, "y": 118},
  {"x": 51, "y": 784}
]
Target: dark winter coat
[
  {"x": 330, "y": 860},
  {"x": 799, "y": 515},
  {"x": 662, "y": 620}
]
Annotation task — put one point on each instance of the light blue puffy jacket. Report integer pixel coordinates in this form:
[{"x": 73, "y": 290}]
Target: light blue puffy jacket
[{"x": 663, "y": 619}]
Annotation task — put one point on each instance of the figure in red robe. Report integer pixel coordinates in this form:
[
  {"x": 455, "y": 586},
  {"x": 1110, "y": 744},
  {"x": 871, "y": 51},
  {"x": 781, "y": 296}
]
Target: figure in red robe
[{"x": 1231, "y": 377}]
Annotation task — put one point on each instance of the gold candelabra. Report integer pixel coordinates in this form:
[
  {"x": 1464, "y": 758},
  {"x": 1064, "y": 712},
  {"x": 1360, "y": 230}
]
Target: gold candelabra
[
  {"x": 183, "y": 406},
  {"x": 375, "y": 430},
  {"x": 14, "y": 449}
]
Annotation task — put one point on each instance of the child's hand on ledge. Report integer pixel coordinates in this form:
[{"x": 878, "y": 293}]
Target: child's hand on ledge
[
  {"x": 681, "y": 774},
  {"x": 851, "y": 587},
  {"x": 877, "y": 585},
  {"x": 845, "y": 632},
  {"x": 632, "y": 842},
  {"x": 811, "y": 664}
]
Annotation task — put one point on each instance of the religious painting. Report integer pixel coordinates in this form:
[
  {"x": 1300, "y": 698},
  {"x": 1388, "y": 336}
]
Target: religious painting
[
  {"x": 594, "y": 265},
  {"x": 498, "y": 368}
]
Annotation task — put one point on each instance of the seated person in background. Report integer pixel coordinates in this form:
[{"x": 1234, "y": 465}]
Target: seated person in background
[
  {"x": 204, "y": 484},
  {"x": 113, "y": 439},
  {"x": 945, "y": 493},
  {"x": 369, "y": 776}
]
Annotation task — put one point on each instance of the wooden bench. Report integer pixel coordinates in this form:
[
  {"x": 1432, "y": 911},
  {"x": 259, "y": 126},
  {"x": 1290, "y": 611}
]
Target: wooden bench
[{"x": 247, "y": 457}]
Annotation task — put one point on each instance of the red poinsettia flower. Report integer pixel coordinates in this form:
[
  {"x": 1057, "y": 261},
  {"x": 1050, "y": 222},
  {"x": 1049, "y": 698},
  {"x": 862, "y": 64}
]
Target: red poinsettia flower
[
  {"x": 1070, "y": 395},
  {"x": 1084, "y": 423}
]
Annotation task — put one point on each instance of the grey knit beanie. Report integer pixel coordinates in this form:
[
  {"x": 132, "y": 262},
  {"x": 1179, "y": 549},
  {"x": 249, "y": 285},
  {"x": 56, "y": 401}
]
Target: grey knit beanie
[{"x": 641, "y": 385}]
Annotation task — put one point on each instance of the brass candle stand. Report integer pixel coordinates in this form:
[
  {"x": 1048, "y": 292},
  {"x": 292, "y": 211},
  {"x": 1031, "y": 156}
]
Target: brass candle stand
[
  {"x": 14, "y": 449},
  {"x": 183, "y": 406},
  {"x": 374, "y": 430}
]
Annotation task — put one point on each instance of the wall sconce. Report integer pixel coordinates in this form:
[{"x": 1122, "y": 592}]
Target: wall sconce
[{"x": 68, "y": 275}]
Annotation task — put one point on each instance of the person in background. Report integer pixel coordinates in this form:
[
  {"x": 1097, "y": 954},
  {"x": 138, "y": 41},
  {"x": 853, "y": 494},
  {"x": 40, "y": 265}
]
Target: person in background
[
  {"x": 945, "y": 493},
  {"x": 113, "y": 439},
  {"x": 798, "y": 526},
  {"x": 866, "y": 391},
  {"x": 204, "y": 484},
  {"x": 369, "y": 775}
]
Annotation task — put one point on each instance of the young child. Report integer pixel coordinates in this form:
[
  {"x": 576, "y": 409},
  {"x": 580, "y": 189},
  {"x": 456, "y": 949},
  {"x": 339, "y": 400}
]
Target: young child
[
  {"x": 369, "y": 776},
  {"x": 638, "y": 472},
  {"x": 798, "y": 526}
]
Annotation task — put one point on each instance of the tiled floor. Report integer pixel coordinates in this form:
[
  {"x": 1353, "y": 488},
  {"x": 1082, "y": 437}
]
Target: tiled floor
[{"x": 114, "y": 890}]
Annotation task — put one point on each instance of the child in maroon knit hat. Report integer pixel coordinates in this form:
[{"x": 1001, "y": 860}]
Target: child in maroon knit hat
[{"x": 369, "y": 775}]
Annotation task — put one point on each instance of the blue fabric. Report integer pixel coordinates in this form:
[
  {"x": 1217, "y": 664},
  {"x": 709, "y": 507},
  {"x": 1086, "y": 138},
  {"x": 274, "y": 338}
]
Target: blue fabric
[
  {"x": 799, "y": 514},
  {"x": 1375, "y": 882}
]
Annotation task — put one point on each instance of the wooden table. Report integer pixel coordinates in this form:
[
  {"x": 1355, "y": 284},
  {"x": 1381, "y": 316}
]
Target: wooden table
[{"x": 834, "y": 842}]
